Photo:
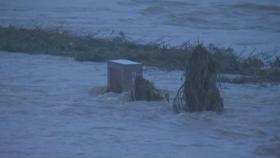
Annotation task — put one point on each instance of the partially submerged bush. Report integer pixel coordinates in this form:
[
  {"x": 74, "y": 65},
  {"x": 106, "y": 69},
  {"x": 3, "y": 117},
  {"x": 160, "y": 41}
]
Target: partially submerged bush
[
  {"x": 145, "y": 90},
  {"x": 98, "y": 90},
  {"x": 251, "y": 66},
  {"x": 275, "y": 63},
  {"x": 199, "y": 92},
  {"x": 270, "y": 75}
]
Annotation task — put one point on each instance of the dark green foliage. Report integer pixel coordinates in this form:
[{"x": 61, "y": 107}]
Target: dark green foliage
[
  {"x": 89, "y": 48},
  {"x": 270, "y": 75},
  {"x": 239, "y": 80},
  {"x": 275, "y": 63},
  {"x": 145, "y": 90},
  {"x": 253, "y": 66},
  {"x": 226, "y": 61},
  {"x": 253, "y": 62}
]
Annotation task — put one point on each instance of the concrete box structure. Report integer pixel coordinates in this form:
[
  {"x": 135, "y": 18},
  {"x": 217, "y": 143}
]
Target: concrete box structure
[{"x": 122, "y": 73}]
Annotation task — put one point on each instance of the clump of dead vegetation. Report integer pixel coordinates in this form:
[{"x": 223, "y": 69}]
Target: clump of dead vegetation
[
  {"x": 145, "y": 90},
  {"x": 199, "y": 91}
]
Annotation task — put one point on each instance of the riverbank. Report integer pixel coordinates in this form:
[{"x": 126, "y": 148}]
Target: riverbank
[{"x": 90, "y": 48}]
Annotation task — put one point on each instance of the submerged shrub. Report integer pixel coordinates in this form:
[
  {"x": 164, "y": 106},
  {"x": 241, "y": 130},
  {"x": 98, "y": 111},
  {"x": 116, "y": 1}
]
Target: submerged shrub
[
  {"x": 271, "y": 75},
  {"x": 275, "y": 63},
  {"x": 145, "y": 90},
  {"x": 199, "y": 92}
]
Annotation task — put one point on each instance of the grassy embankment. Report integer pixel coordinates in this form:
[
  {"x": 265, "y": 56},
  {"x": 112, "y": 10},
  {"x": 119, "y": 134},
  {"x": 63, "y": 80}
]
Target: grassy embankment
[{"x": 86, "y": 48}]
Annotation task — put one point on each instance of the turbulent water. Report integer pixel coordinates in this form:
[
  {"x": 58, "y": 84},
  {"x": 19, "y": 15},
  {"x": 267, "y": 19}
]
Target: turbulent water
[
  {"x": 250, "y": 26},
  {"x": 55, "y": 107}
]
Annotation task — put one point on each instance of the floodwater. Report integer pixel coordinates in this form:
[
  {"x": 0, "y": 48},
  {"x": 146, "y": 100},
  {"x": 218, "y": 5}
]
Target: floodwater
[
  {"x": 55, "y": 107},
  {"x": 249, "y": 26}
]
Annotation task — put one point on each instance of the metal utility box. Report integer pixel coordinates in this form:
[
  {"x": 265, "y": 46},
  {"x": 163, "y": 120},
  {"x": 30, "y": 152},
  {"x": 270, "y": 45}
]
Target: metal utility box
[{"x": 122, "y": 73}]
